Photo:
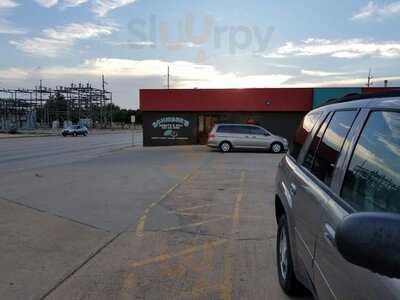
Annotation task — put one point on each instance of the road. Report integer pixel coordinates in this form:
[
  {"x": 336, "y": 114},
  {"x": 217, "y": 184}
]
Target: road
[
  {"x": 141, "y": 223},
  {"x": 26, "y": 153}
]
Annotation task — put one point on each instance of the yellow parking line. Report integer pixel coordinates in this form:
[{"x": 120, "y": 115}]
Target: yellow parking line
[
  {"x": 196, "y": 224},
  {"x": 215, "y": 215},
  {"x": 227, "y": 286},
  {"x": 164, "y": 257},
  {"x": 142, "y": 220},
  {"x": 195, "y": 207}
]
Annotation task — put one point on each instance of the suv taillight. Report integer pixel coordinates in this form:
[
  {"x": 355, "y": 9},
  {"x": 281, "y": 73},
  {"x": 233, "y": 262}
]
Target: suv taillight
[{"x": 211, "y": 135}]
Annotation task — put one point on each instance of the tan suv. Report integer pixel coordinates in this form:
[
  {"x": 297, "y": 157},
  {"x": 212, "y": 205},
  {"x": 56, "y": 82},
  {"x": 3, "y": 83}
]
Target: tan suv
[
  {"x": 338, "y": 202},
  {"x": 242, "y": 136}
]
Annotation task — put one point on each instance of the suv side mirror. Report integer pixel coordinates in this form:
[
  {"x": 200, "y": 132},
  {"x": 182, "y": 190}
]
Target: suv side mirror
[
  {"x": 266, "y": 134},
  {"x": 372, "y": 241}
]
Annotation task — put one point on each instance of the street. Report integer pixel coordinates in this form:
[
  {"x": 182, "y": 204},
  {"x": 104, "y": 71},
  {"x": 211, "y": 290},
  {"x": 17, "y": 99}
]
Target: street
[
  {"x": 135, "y": 223},
  {"x": 27, "y": 153}
]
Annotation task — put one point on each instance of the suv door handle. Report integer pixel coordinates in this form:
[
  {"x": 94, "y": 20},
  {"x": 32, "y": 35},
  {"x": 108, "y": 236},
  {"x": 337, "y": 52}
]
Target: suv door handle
[
  {"x": 329, "y": 235},
  {"x": 292, "y": 189}
]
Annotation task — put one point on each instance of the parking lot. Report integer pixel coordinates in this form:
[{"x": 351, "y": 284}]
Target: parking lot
[{"x": 140, "y": 223}]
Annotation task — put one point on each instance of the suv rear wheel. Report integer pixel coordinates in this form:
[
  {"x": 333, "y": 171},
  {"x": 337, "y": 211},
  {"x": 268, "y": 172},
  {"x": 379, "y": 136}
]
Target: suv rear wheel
[
  {"x": 225, "y": 147},
  {"x": 287, "y": 277}
]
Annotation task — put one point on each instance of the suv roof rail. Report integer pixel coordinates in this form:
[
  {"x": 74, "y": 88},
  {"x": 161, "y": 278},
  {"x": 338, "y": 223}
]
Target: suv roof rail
[{"x": 353, "y": 97}]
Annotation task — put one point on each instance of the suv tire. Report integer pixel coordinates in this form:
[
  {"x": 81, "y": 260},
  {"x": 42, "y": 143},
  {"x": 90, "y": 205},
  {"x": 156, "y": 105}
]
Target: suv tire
[
  {"x": 287, "y": 277},
  {"x": 225, "y": 147}
]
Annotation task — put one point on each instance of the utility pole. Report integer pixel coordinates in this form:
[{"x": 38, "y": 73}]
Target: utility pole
[
  {"x": 112, "y": 109},
  {"x": 103, "y": 97},
  {"x": 370, "y": 77},
  {"x": 168, "y": 78}
]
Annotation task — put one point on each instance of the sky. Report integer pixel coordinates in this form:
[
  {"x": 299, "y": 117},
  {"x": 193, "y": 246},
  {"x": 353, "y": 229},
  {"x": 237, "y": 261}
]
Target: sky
[{"x": 205, "y": 44}]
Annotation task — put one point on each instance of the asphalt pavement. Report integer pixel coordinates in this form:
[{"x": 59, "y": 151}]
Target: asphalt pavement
[
  {"x": 33, "y": 152},
  {"x": 138, "y": 223}
]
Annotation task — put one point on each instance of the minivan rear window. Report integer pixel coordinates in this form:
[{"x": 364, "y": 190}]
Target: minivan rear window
[
  {"x": 233, "y": 129},
  {"x": 302, "y": 132},
  {"x": 223, "y": 129}
]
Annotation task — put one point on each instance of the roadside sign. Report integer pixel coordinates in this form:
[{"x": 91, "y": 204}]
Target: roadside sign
[{"x": 133, "y": 119}]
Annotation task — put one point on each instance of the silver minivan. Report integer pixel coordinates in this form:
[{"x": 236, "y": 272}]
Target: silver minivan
[
  {"x": 337, "y": 202},
  {"x": 243, "y": 136}
]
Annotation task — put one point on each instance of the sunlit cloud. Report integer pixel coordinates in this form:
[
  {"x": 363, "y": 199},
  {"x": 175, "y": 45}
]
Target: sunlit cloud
[
  {"x": 318, "y": 73},
  {"x": 353, "y": 48},
  {"x": 55, "y": 41}
]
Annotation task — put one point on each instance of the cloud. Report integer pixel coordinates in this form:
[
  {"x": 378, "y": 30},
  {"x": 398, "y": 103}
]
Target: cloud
[
  {"x": 8, "y": 28},
  {"x": 183, "y": 73},
  {"x": 73, "y": 3},
  {"x": 102, "y": 7},
  {"x": 317, "y": 73},
  {"x": 373, "y": 11},
  {"x": 14, "y": 74},
  {"x": 55, "y": 41},
  {"x": 8, "y": 4},
  {"x": 351, "y": 81},
  {"x": 130, "y": 44},
  {"x": 99, "y": 7},
  {"x": 47, "y": 3},
  {"x": 352, "y": 48}
]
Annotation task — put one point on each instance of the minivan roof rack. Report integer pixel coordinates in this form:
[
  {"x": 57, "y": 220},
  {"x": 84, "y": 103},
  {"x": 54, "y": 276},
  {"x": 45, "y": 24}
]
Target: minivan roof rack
[{"x": 353, "y": 97}]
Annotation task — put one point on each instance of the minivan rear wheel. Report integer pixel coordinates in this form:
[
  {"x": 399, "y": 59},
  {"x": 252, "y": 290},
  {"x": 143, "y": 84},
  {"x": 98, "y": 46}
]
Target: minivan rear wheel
[
  {"x": 287, "y": 277},
  {"x": 225, "y": 147}
]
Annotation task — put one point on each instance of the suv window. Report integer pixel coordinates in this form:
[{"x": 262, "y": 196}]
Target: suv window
[
  {"x": 302, "y": 132},
  {"x": 331, "y": 145},
  {"x": 257, "y": 131},
  {"x": 309, "y": 158},
  {"x": 372, "y": 181}
]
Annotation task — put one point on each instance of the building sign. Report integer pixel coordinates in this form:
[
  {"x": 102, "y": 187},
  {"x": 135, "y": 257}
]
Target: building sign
[{"x": 168, "y": 130}]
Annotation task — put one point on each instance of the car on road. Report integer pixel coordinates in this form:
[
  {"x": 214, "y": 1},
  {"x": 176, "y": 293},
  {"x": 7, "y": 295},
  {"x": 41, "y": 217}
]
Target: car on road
[
  {"x": 243, "y": 136},
  {"x": 75, "y": 130},
  {"x": 337, "y": 201}
]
